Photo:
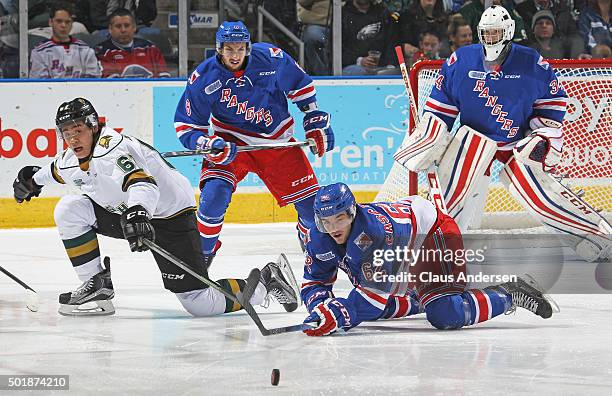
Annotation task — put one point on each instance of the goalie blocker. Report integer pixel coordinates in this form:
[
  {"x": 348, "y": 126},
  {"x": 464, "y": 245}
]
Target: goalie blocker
[{"x": 463, "y": 167}]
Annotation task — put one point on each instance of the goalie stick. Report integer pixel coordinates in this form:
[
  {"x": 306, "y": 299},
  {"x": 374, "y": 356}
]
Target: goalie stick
[
  {"x": 251, "y": 284},
  {"x": 435, "y": 192},
  {"x": 264, "y": 146},
  {"x": 32, "y": 301}
]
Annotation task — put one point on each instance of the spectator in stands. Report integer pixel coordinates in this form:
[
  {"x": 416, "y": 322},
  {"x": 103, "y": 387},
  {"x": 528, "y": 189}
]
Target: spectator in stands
[
  {"x": 549, "y": 44},
  {"x": 429, "y": 47},
  {"x": 9, "y": 41},
  {"x": 315, "y": 18},
  {"x": 9, "y": 7},
  {"x": 97, "y": 12},
  {"x": 565, "y": 25},
  {"x": 422, "y": 16},
  {"x": 397, "y": 6},
  {"x": 126, "y": 56},
  {"x": 144, "y": 11},
  {"x": 368, "y": 36},
  {"x": 459, "y": 34},
  {"x": 472, "y": 11},
  {"x": 594, "y": 23},
  {"x": 601, "y": 51},
  {"x": 63, "y": 56}
]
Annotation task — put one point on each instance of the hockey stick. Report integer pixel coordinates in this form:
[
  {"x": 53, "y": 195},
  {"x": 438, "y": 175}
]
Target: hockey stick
[
  {"x": 32, "y": 301},
  {"x": 435, "y": 192},
  {"x": 252, "y": 281},
  {"x": 264, "y": 146}
]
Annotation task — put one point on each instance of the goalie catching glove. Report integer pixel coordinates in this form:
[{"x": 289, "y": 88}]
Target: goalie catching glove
[
  {"x": 541, "y": 148},
  {"x": 136, "y": 226},
  {"x": 318, "y": 130},
  {"x": 220, "y": 151},
  {"x": 24, "y": 187}
]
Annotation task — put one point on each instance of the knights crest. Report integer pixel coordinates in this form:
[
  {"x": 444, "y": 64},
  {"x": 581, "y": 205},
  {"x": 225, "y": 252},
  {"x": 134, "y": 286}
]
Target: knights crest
[{"x": 104, "y": 141}]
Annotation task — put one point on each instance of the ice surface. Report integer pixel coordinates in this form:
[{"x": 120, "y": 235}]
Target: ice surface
[{"x": 152, "y": 346}]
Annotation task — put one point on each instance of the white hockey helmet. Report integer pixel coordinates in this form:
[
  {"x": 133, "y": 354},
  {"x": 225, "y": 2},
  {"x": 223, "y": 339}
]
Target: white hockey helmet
[{"x": 495, "y": 31}]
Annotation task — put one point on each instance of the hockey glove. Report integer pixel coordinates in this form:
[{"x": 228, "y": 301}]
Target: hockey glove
[
  {"x": 538, "y": 149},
  {"x": 136, "y": 226},
  {"x": 220, "y": 151},
  {"x": 319, "y": 131},
  {"x": 24, "y": 187},
  {"x": 327, "y": 316}
]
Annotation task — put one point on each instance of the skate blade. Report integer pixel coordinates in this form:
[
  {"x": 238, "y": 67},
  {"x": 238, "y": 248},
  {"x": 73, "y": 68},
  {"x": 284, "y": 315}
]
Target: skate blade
[
  {"x": 285, "y": 268},
  {"x": 533, "y": 283},
  {"x": 93, "y": 308}
]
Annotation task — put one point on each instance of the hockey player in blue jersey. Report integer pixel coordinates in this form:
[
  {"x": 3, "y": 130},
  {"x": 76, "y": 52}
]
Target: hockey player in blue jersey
[
  {"x": 240, "y": 97},
  {"x": 511, "y": 108},
  {"x": 348, "y": 236}
]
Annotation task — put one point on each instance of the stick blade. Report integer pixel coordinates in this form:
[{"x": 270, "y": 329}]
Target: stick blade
[{"x": 32, "y": 301}]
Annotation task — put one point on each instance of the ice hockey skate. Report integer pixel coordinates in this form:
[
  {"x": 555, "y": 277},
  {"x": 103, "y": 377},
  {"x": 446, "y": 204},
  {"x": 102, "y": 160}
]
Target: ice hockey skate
[
  {"x": 93, "y": 297},
  {"x": 280, "y": 283},
  {"x": 527, "y": 293}
]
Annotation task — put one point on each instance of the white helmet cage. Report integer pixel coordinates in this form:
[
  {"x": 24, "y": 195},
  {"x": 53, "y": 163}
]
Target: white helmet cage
[{"x": 495, "y": 17}]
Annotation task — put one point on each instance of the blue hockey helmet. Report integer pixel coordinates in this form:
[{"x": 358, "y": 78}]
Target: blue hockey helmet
[
  {"x": 233, "y": 32},
  {"x": 332, "y": 200}
]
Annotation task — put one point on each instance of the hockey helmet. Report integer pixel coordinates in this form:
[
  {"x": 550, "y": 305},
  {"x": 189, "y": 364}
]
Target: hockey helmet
[
  {"x": 333, "y": 200},
  {"x": 74, "y": 111},
  {"x": 495, "y": 31},
  {"x": 233, "y": 32}
]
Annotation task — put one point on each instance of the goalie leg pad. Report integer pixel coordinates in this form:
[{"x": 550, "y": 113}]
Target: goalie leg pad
[
  {"x": 466, "y": 159},
  {"x": 425, "y": 145},
  {"x": 557, "y": 207}
]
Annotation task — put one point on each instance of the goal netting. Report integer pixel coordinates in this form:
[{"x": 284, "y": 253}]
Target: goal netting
[{"x": 587, "y": 153}]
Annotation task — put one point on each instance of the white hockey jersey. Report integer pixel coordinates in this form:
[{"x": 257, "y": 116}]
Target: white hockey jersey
[
  {"x": 76, "y": 59},
  {"x": 121, "y": 173}
]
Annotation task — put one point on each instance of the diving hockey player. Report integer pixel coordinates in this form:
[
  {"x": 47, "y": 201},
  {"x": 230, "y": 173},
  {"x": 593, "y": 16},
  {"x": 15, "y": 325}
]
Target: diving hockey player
[
  {"x": 240, "y": 97},
  {"x": 512, "y": 108},
  {"x": 128, "y": 191},
  {"x": 348, "y": 236}
]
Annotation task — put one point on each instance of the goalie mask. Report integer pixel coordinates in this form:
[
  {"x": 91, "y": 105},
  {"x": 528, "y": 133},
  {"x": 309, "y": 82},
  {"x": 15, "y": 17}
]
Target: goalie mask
[
  {"x": 330, "y": 202},
  {"x": 73, "y": 112},
  {"x": 495, "y": 31}
]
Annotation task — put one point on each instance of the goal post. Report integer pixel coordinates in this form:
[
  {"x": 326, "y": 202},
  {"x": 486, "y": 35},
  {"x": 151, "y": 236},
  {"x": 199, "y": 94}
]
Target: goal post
[{"x": 587, "y": 153}]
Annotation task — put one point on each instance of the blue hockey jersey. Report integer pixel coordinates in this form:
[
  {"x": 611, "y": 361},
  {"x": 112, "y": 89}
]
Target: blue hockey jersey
[
  {"x": 252, "y": 106},
  {"x": 499, "y": 104},
  {"x": 377, "y": 227}
]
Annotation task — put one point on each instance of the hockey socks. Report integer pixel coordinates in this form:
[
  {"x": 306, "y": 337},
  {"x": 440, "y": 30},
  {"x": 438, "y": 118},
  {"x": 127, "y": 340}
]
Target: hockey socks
[
  {"x": 485, "y": 304},
  {"x": 233, "y": 286},
  {"x": 84, "y": 253},
  {"x": 399, "y": 307},
  {"x": 468, "y": 308}
]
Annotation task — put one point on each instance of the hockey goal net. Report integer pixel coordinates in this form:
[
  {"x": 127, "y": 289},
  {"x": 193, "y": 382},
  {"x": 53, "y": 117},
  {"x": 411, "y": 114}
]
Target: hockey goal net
[{"x": 587, "y": 153}]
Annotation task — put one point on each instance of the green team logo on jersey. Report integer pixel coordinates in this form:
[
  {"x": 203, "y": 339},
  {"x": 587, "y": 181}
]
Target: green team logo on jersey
[{"x": 126, "y": 163}]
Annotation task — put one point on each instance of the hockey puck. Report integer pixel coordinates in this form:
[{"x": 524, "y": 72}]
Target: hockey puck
[{"x": 275, "y": 377}]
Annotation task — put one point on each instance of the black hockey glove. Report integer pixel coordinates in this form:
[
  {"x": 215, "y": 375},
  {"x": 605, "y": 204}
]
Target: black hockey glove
[
  {"x": 136, "y": 226},
  {"x": 24, "y": 187}
]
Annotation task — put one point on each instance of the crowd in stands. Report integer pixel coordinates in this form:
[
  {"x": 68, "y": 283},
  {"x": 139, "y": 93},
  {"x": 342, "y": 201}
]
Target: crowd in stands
[
  {"x": 83, "y": 39},
  {"x": 115, "y": 38},
  {"x": 433, "y": 29}
]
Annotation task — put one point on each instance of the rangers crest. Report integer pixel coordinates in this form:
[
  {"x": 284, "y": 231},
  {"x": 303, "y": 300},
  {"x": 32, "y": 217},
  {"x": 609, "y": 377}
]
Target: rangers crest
[
  {"x": 276, "y": 52},
  {"x": 363, "y": 241}
]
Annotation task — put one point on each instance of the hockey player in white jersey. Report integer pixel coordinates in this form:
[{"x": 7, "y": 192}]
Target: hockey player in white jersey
[
  {"x": 129, "y": 191},
  {"x": 511, "y": 108}
]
